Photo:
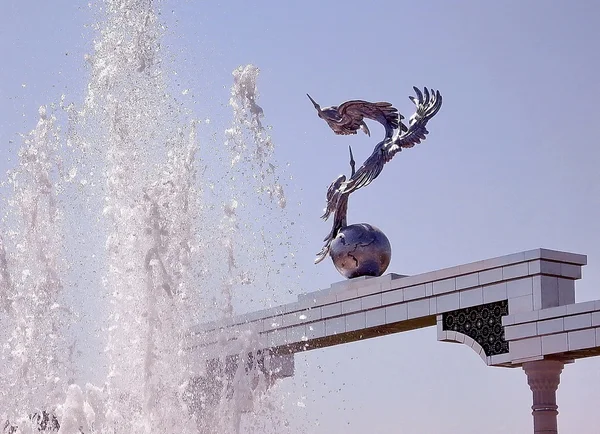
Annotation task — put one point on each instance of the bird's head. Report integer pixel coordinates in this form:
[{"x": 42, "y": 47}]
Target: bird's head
[{"x": 317, "y": 106}]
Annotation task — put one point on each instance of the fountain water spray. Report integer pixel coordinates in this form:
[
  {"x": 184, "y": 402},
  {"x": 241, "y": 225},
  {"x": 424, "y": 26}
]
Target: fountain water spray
[{"x": 165, "y": 248}]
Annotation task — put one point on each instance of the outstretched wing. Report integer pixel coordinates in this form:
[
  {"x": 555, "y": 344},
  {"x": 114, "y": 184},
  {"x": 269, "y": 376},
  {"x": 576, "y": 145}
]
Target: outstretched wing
[
  {"x": 428, "y": 104},
  {"x": 353, "y": 112}
]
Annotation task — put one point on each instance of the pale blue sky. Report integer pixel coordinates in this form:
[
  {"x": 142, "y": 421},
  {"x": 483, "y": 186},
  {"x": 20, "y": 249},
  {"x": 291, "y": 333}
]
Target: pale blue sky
[{"x": 510, "y": 164}]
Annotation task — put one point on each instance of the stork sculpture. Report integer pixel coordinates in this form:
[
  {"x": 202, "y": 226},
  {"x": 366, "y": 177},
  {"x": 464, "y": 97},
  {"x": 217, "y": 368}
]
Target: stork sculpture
[{"x": 347, "y": 118}]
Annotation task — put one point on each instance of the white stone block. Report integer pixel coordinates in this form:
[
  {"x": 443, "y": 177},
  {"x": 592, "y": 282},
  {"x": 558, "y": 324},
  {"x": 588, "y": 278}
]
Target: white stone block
[
  {"x": 570, "y": 258},
  {"x": 276, "y": 338},
  {"x": 443, "y": 286},
  {"x": 315, "y": 330},
  {"x": 371, "y": 301},
  {"x": 515, "y": 271},
  {"x": 311, "y": 314},
  {"x": 598, "y": 336},
  {"x": 555, "y": 343},
  {"x": 375, "y": 317},
  {"x": 356, "y": 321},
  {"x": 549, "y": 326},
  {"x": 413, "y": 292},
  {"x": 331, "y": 310},
  {"x": 272, "y": 323},
  {"x": 349, "y": 306},
  {"x": 441, "y": 334},
  {"x": 500, "y": 359},
  {"x": 450, "y": 335},
  {"x": 582, "y": 339},
  {"x": 418, "y": 308},
  {"x": 467, "y": 281},
  {"x": 566, "y": 291},
  {"x": 525, "y": 348},
  {"x": 520, "y": 331},
  {"x": 396, "y": 313},
  {"x": 495, "y": 292},
  {"x": 391, "y": 297},
  {"x": 334, "y": 326},
  {"x": 519, "y": 287},
  {"x": 553, "y": 312},
  {"x": 289, "y": 319},
  {"x": 508, "y": 320},
  {"x": 576, "y": 322},
  {"x": 459, "y": 337},
  {"x": 433, "y": 305},
  {"x": 596, "y": 319},
  {"x": 296, "y": 334},
  {"x": 588, "y": 306},
  {"x": 473, "y": 267},
  {"x": 550, "y": 267},
  {"x": 346, "y": 294},
  {"x": 468, "y": 341},
  {"x": 428, "y": 289},
  {"x": 570, "y": 271},
  {"x": 326, "y": 299},
  {"x": 471, "y": 297},
  {"x": 371, "y": 288},
  {"x": 534, "y": 267},
  {"x": 448, "y": 302},
  {"x": 546, "y": 292},
  {"x": 522, "y": 317},
  {"x": 490, "y": 276},
  {"x": 520, "y": 304},
  {"x": 532, "y": 254}
]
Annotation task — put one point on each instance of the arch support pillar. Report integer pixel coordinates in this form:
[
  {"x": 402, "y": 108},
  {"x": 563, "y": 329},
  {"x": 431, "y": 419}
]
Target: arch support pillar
[{"x": 543, "y": 377}]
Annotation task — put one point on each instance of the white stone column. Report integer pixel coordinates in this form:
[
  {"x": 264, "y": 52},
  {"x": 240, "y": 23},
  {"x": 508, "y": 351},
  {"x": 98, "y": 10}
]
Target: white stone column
[{"x": 543, "y": 377}]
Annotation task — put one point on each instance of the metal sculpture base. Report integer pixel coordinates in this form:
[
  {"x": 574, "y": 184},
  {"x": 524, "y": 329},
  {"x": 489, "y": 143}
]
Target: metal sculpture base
[{"x": 360, "y": 250}]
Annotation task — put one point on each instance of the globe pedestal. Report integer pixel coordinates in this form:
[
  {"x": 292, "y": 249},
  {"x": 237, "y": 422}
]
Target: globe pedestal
[{"x": 360, "y": 250}]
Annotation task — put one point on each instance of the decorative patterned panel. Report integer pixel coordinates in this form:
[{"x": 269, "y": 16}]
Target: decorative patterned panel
[{"x": 482, "y": 323}]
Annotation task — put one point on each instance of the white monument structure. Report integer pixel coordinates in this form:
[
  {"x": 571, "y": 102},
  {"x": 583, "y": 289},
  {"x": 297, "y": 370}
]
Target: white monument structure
[{"x": 514, "y": 311}]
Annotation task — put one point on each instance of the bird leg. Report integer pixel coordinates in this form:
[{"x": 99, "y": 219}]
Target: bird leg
[{"x": 352, "y": 162}]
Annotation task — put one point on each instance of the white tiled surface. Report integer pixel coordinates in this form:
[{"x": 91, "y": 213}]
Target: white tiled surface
[
  {"x": 442, "y": 286},
  {"x": 520, "y": 331},
  {"x": 549, "y": 326},
  {"x": 375, "y": 317},
  {"x": 520, "y": 304},
  {"x": 370, "y": 302},
  {"x": 525, "y": 348},
  {"x": 418, "y": 308},
  {"x": 356, "y": 321},
  {"x": 471, "y": 297},
  {"x": 412, "y": 292},
  {"x": 554, "y": 344},
  {"x": 519, "y": 287},
  {"x": 515, "y": 271},
  {"x": 490, "y": 276},
  {"x": 578, "y": 321},
  {"x": 448, "y": 302},
  {"x": 467, "y": 281},
  {"x": 582, "y": 339},
  {"x": 495, "y": 292},
  {"x": 398, "y": 312}
]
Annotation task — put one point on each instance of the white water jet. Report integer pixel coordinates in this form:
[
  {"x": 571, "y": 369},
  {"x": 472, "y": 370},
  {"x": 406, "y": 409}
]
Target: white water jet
[
  {"x": 35, "y": 355},
  {"x": 173, "y": 257}
]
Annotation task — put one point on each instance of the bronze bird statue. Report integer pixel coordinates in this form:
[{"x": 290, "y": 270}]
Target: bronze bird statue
[
  {"x": 427, "y": 105},
  {"x": 349, "y": 116}
]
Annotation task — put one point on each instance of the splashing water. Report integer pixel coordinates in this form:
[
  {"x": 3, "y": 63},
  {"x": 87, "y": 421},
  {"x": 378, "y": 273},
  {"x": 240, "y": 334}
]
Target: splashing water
[{"x": 173, "y": 257}]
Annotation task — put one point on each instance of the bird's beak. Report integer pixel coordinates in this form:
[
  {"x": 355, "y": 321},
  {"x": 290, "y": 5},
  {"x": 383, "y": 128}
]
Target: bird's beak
[{"x": 317, "y": 106}]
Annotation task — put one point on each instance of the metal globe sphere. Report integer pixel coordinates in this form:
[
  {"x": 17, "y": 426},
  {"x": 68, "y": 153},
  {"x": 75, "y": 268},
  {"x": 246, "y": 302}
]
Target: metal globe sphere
[{"x": 360, "y": 250}]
